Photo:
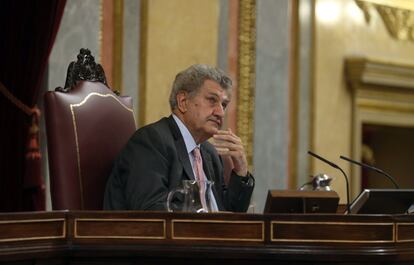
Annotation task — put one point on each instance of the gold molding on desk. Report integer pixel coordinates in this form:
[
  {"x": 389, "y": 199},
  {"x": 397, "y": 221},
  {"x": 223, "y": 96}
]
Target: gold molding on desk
[
  {"x": 273, "y": 239},
  {"x": 78, "y": 220},
  {"x": 173, "y": 221},
  {"x": 63, "y": 235}
]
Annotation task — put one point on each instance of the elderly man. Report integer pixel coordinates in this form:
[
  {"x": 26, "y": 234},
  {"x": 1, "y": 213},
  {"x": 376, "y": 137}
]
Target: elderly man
[{"x": 160, "y": 155}]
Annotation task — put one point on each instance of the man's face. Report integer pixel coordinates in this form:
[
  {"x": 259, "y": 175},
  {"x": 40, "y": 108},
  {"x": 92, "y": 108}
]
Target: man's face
[{"x": 203, "y": 112}]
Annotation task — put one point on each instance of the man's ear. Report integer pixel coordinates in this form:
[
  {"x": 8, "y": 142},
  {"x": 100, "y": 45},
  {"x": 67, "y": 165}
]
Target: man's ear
[{"x": 182, "y": 101}]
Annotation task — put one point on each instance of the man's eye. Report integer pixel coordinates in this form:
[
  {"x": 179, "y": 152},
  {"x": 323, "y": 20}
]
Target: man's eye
[
  {"x": 212, "y": 100},
  {"x": 224, "y": 105}
]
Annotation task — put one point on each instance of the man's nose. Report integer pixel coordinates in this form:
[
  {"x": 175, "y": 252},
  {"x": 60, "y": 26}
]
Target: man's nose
[{"x": 219, "y": 110}]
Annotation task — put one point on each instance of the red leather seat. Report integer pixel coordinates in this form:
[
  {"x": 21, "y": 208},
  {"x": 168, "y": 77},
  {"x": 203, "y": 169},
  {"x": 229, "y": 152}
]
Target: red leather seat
[{"x": 86, "y": 129}]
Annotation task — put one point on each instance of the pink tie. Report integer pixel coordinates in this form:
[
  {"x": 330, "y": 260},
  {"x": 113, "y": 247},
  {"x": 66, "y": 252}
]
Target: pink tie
[{"x": 200, "y": 176}]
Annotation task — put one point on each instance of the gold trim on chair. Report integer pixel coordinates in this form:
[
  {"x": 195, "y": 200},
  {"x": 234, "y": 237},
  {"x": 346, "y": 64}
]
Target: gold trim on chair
[{"x": 72, "y": 106}]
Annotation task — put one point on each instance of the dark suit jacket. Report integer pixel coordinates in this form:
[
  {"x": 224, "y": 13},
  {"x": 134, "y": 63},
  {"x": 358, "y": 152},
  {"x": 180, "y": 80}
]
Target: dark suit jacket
[{"x": 155, "y": 161}]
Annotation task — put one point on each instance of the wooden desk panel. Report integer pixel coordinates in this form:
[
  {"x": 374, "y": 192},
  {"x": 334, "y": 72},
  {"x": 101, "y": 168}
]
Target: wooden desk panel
[
  {"x": 333, "y": 232},
  {"x": 32, "y": 227},
  {"x": 120, "y": 228},
  {"x": 83, "y": 237},
  {"x": 217, "y": 230}
]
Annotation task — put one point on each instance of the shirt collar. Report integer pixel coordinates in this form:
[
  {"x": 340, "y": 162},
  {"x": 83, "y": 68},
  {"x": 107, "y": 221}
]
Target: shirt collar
[{"x": 189, "y": 141}]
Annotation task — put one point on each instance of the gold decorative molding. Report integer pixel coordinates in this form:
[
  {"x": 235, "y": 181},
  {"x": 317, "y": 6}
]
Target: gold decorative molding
[
  {"x": 403, "y": 4},
  {"x": 375, "y": 72},
  {"x": 118, "y": 44},
  {"x": 246, "y": 77},
  {"x": 381, "y": 89},
  {"x": 397, "y": 15}
]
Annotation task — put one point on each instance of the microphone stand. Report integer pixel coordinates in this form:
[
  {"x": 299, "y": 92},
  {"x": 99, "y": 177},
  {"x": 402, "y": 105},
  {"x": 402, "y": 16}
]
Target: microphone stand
[
  {"x": 372, "y": 168},
  {"x": 337, "y": 167}
]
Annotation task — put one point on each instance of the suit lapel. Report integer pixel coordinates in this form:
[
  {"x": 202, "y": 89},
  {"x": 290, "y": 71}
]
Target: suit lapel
[
  {"x": 181, "y": 149},
  {"x": 183, "y": 156}
]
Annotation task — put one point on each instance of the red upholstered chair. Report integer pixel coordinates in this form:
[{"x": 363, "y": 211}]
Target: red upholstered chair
[{"x": 87, "y": 124}]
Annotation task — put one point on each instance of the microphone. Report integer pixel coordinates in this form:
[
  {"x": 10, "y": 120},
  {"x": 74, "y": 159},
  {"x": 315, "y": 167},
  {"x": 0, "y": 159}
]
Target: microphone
[
  {"x": 372, "y": 168},
  {"x": 337, "y": 167}
]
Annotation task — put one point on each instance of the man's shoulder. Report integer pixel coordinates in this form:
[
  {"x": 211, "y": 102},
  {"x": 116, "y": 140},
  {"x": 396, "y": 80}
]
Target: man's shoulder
[
  {"x": 153, "y": 134},
  {"x": 156, "y": 135},
  {"x": 161, "y": 126}
]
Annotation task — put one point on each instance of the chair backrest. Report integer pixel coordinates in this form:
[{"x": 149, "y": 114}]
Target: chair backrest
[{"x": 86, "y": 128}]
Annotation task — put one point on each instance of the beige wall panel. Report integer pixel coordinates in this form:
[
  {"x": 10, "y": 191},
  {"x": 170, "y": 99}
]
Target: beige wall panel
[
  {"x": 179, "y": 33},
  {"x": 341, "y": 31}
]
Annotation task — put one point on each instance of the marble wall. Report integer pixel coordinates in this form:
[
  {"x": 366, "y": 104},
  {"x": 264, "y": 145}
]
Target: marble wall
[
  {"x": 130, "y": 52},
  {"x": 271, "y": 130}
]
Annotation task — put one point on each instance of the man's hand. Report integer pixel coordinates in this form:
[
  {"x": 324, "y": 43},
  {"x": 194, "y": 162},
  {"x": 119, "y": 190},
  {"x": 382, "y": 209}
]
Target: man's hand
[{"x": 229, "y": 144}]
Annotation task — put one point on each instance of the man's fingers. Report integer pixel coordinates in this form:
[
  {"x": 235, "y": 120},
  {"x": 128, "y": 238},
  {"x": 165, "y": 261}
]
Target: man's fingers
[
  {"x": 227, "y": 152},
  {"x": 227, "y": 137},
  {"x": 222, "y": 151},
  {"x": 229, "y": 146}
]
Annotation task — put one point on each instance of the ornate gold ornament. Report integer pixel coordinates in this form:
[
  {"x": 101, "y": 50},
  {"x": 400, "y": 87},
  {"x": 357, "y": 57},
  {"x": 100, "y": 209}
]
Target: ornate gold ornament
[{"x": 398, "y": 16}]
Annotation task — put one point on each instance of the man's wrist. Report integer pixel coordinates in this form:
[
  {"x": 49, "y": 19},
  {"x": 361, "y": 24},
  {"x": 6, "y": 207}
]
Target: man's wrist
[
  {"x": 242, "y": 173},
  {"x": 247, "y": 180}
]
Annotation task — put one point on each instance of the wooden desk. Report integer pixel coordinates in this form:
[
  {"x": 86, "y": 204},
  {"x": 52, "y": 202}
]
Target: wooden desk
[{"x": 82, "y": 237}]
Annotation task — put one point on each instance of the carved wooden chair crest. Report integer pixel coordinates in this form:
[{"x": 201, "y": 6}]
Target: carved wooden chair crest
[{"x": 85, "y": 68}]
